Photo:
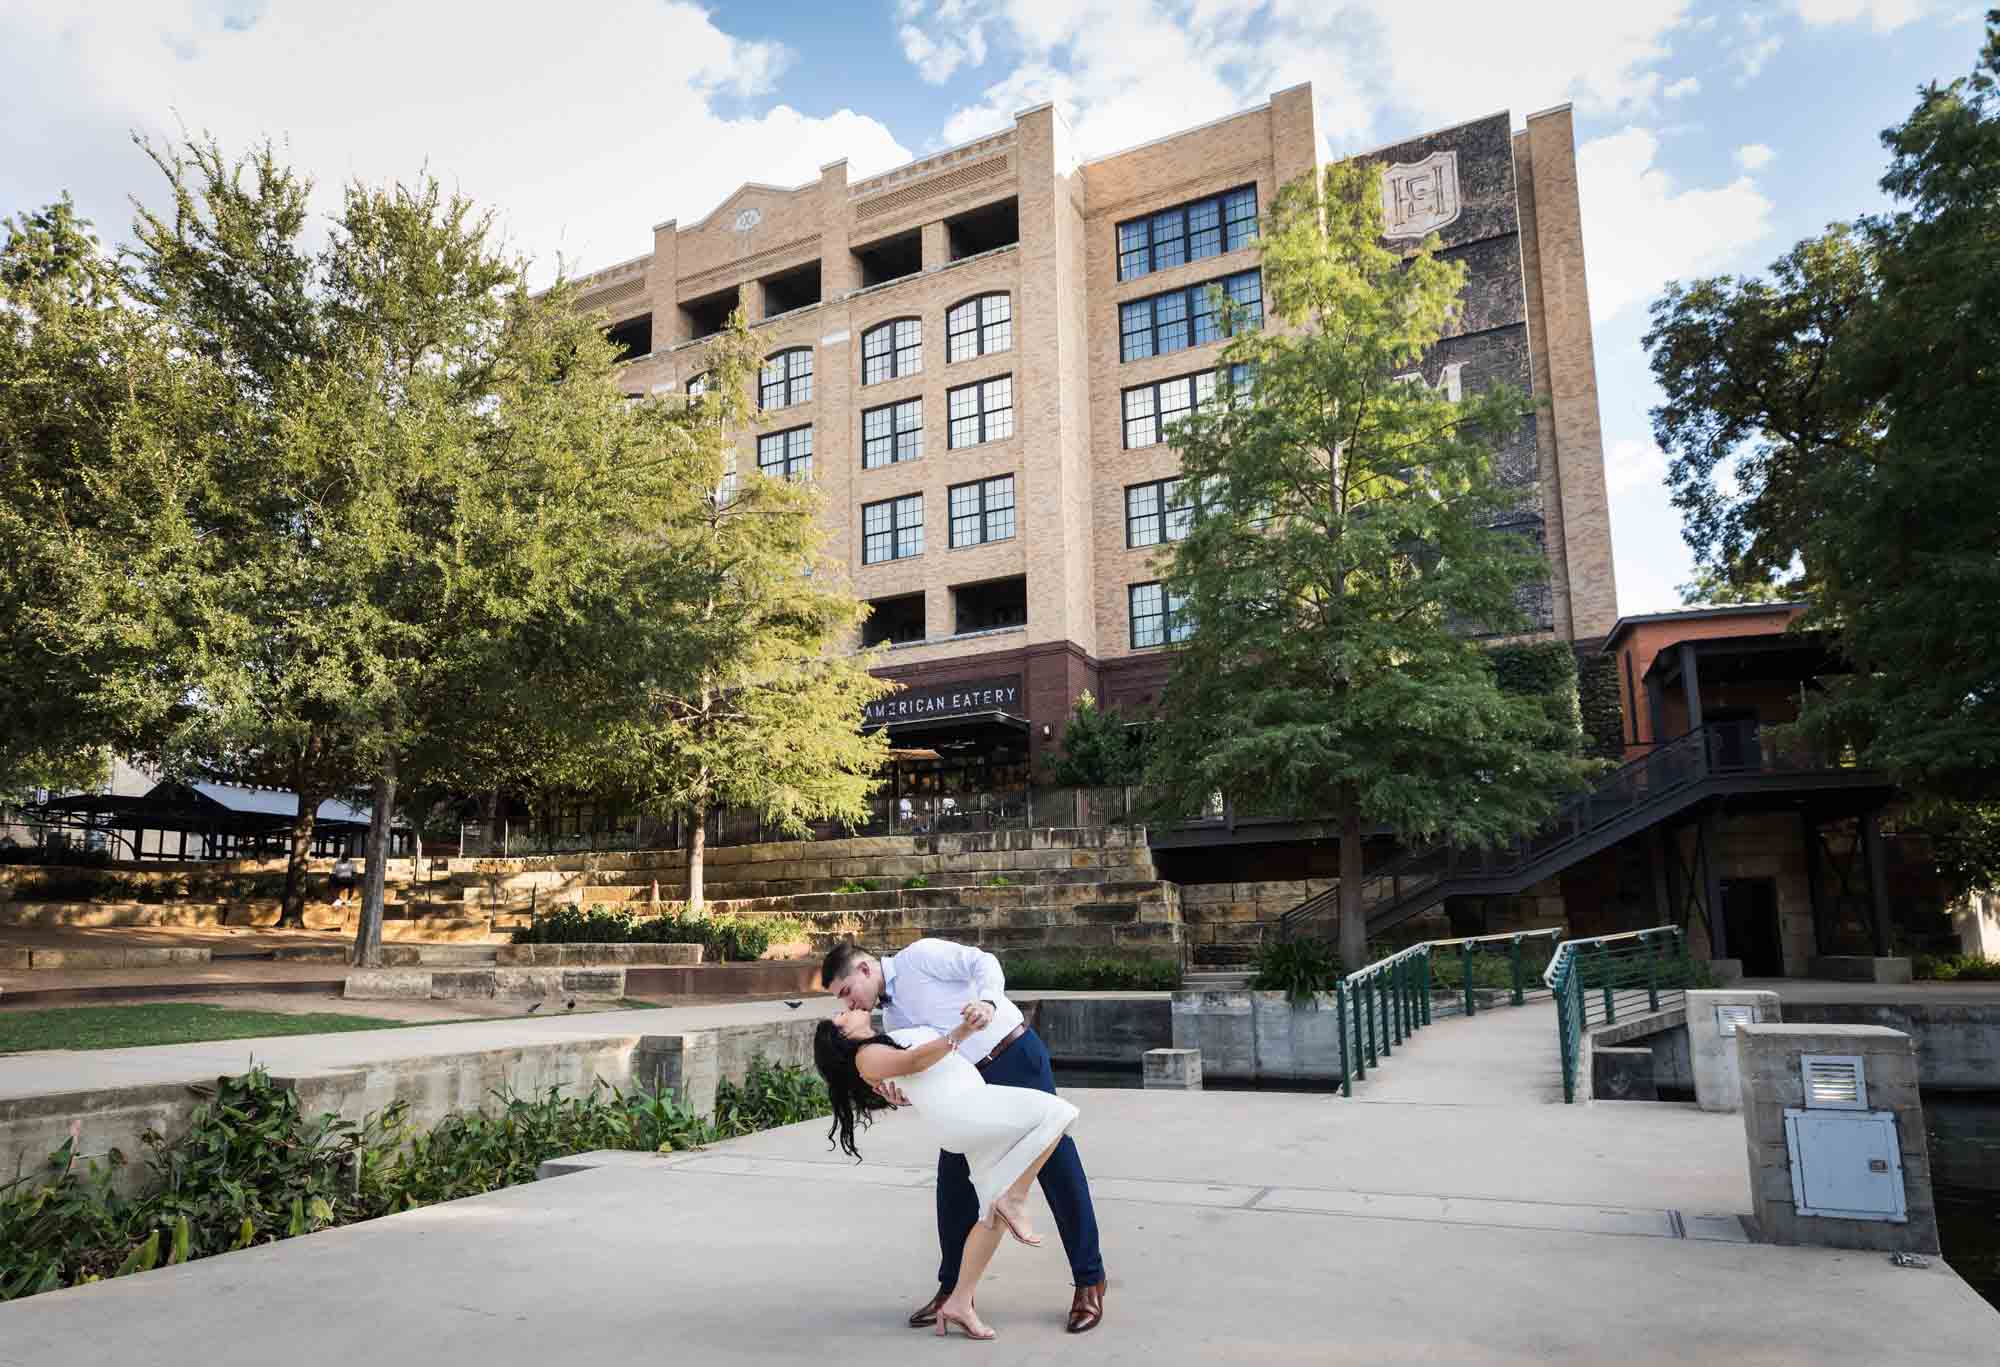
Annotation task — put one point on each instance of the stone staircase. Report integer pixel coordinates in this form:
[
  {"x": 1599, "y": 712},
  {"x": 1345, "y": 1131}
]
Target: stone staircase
[{"x": 1088, "y": 890}]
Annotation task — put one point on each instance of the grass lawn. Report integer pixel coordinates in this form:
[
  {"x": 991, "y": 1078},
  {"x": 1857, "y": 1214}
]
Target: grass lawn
[{"x": 116, "y": 1027}]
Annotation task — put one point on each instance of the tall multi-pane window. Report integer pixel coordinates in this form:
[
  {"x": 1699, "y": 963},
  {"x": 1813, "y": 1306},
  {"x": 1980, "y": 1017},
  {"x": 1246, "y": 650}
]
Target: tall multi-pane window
[
  {"x": 981, "y": 412},
  {"x": 726, "y": 491},
  {"x": 1149, "y": 410},
  {"x": 1157, "y": 616},
  {"x": 786, "y": 455},
  {"x": 1157, "y": 512},
  {"x": 786, "y": 379},
  {"x": 979, "y": 327},
  {"x": 892, "y": 529},
  {"x": 983, "y": 511},
  {"x": 1187, "y": 232},
  {"x": 892, "y": 350},
  {"x": 1178, "y": 319},
  {"x": 892, "y": 433}
]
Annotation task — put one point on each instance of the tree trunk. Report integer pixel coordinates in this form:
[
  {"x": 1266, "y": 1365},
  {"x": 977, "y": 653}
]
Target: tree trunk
[
  {"x": 307, "y": 787},
  {"x": 697, "y": 841},
  {"x": 416, "y": 859},
  {"x": 368, "y": 936},
  {"x": 1353, "y": 921}
]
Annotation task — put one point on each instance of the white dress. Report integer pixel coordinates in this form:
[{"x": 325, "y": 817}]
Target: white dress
[{"x": 1000, "y": 1130}]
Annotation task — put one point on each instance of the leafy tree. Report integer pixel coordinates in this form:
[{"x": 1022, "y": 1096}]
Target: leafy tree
[
  {"x": 1712, "y": 587},
  {"x": 1852, "y": 394},
  {"x": 406, "y": 458},
  {"x": 1344, "y": 550},
  {"x": 736, "y": 690},
  {"x": 100, "y": 549},
  {"x": 1100, "y": 749}
]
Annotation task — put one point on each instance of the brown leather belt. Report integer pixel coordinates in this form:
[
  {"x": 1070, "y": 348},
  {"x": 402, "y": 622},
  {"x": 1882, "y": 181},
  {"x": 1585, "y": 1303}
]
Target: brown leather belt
[{"x": 1004, "y": 1045}]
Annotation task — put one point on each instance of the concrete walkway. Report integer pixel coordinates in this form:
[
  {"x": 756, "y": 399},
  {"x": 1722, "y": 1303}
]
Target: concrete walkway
[
  {"x": 1267, "y": 1228},
  {"x": 1503, "y": 1057}
]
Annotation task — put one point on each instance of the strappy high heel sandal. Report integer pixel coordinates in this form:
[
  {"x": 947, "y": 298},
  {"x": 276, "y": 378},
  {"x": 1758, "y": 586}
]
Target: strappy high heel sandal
[
  {"x": 946, "y": 1319},
  {"x": 1004, "y": 1218}
]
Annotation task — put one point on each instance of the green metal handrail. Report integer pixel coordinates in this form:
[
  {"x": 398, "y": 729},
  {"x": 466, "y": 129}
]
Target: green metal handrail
[
  {"x": 1597, "y": 980},
  {"x": 1383, "y": 1004}
]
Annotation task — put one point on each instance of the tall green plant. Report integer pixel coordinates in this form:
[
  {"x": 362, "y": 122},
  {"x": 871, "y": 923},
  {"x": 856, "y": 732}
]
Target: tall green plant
[{"x": 1348, "y": 543}]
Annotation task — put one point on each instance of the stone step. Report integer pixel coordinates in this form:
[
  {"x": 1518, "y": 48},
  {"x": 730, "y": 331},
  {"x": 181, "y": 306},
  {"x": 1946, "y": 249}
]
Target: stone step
[{"x": 1216, "y": 981}]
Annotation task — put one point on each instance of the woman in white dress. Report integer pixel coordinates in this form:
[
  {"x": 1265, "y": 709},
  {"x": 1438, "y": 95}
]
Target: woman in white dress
[{"x": 1005, "y": 1133}]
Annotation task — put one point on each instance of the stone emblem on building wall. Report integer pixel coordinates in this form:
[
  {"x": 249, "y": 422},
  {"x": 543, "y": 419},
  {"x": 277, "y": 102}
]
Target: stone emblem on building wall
[
  {"x": 1420, "y": 197},
  {"x": 748, "y": 219}
]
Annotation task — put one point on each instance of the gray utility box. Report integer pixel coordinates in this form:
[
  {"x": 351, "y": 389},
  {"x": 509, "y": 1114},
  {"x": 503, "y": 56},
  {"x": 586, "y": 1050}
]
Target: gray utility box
[{"x": 1846, "y": 1164}]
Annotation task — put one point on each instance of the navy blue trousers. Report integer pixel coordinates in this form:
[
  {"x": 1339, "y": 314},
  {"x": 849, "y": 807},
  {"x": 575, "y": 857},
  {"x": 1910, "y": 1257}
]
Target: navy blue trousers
[{"x": 1026, "y": 1064}]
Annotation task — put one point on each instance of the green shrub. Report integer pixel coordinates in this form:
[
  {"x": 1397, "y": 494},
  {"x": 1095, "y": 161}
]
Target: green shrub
[
  {"x": 253, "y": 1169},
  {"x": 916, "y": 881},
  {"x": 857, "y": 885},
  {"x": 1091, "y": 973},
  {"x": 1945, "y": 968},
  {"x": 1492, "y": 966},
  {"x": 725, "y": 937},
  {"x": 998, "y": 880},
  {"x": 1298, "y": 968}
]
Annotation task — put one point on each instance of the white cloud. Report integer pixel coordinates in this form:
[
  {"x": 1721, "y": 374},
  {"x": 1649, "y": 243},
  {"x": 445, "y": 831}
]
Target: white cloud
[
  {"x": 1685, "y": 86},
  {"x": 1754, "y": 49},
  {"x": 1640, "y": 230},
  {"x": 1884, "y": 16},
  {"x": 1754, "y": 156},
  {"x": 582, "y": 134},
  {"x": 937, "y": 58},
  {"x": 1634, "y": 465},
  {"x": 1128, "y": 70}
]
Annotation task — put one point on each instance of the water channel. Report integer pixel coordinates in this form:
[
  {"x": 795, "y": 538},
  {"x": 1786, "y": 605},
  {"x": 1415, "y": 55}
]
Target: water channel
[{"x": 1965, "y": 1165}]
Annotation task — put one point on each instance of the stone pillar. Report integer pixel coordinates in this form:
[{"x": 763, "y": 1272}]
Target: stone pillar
[
  {"x": 1173, "y": 1069},
  {"x": 937, "y": 246},
  {"x": 1848, "y": 1156},
  {"x": 839, "y": 272},
  {"x": 670, "y": 327},
  {"x": 1712, "y": 1027},
  {"x": 1976, "y": 918}
]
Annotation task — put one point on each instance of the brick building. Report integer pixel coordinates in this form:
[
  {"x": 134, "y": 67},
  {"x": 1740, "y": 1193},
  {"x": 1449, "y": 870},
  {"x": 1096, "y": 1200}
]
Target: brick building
[{"x": 973, "y": 357}]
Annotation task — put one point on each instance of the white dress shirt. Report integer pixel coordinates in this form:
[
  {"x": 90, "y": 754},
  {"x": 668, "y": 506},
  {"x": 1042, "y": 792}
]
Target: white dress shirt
[{"x": 929, "y": 984}]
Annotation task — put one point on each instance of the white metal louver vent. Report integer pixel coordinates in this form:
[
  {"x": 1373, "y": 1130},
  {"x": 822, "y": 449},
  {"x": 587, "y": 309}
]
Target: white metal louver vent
[
  {"x": 1834, "y": 1082},
  {"x": 1727, "y": 1018}
]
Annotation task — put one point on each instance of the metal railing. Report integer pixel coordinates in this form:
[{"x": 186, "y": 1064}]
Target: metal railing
[
  {"x": 1717, "y": 749},
  {"x": 1599, "y": 980},
  {"x": 1382, "y": 1005}
]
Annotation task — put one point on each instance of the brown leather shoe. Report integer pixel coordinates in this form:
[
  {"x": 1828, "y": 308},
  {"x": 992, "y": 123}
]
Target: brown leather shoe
[
  {"x": 926, "y": 1315},
  {"x": 1086, "y": 1308}
]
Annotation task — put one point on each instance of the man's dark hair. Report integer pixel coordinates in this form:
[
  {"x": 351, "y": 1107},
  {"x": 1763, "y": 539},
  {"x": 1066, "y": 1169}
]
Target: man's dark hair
[{"x": 838, "y": 962}]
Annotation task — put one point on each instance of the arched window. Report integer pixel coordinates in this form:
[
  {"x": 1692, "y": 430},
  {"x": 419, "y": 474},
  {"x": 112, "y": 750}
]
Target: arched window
[
  {"x": 698, "y": 385},
  {"x": 787, "y": 378},
  {"x": 892, "y": 350},
  {"x": 979, "y": 326}
]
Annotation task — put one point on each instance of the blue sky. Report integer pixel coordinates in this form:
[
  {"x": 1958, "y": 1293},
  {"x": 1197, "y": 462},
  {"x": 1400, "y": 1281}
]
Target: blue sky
[{"x": 1710, "y": 136}]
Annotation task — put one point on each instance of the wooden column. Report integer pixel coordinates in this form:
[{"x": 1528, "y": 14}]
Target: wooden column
[
  {"x": 1691, "y": 686},
  {"x": 1711, "y": 888},
  {"x": 1878, "y": 884}
]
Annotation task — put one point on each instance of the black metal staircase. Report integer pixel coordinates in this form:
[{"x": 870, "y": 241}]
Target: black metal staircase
[{"x": 1722, "y": 758}]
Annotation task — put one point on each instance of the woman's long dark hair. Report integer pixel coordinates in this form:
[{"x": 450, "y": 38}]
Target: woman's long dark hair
[{"x": 853, "y": 1099}]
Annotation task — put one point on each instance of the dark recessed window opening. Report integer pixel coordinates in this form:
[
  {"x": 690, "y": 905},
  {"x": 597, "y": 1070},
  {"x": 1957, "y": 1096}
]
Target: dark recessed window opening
[
  {"x": 891, "y": 259},
  {"x": 894, "y": 621},
  {"x": 710, "y": 314},
  {"x": 996, "y": 603},
  {"x": 983, "y": 229},
  {"x": 633, "y": 337},
  {"x": 793, "y": 289}
]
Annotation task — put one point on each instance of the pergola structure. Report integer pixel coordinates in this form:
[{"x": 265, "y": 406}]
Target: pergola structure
[{"x": 188, "y": 822}]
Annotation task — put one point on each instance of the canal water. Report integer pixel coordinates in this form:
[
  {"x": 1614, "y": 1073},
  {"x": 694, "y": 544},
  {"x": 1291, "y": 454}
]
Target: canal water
[{"x": 1965, "y": 1167}]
